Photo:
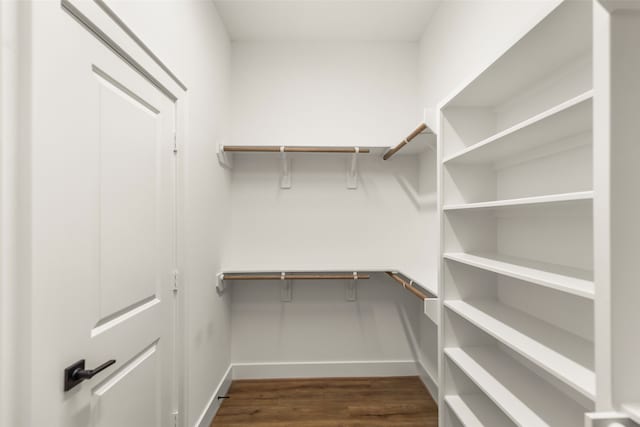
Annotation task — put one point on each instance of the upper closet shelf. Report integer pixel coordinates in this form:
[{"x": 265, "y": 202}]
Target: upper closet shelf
[
  {"x": 562, "y": 37},
  {"x": 554, "y": 350},
  {"x": 561, "y": 278},
  {"x": 579, "y": 197},
  {"x": 560, "y": 122},
  {"x": 284, "y": 150}
]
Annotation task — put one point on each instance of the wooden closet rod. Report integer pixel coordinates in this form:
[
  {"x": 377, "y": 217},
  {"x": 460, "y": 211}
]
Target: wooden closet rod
[
  {"x": 295, "y": 276},
  {"x": 407, "y": 140},
  {"x": 288, "y": 149},
  {"x": 408, "y": 286}
]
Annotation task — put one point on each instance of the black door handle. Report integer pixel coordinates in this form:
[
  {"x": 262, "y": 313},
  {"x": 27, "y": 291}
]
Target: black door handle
[{"x": 75, "y": 374}]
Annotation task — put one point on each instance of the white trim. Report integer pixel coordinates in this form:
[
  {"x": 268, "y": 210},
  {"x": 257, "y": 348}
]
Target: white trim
[
  {"x": 93, "y": 16},
  {"x": 205, "y": 419},
  {"x": 429, "y": 381},
  {"x": 8, "y": 77},
  {"x": 374, "y": 368},
  {"x": 182, "y": 357},
  {"x": 114, "y": 16},
  {"x": 15, "y": 212}
]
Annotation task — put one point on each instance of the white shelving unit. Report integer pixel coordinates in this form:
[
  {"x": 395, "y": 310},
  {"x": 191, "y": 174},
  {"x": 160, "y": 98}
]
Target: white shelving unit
[{"x": 516, "y": 280}]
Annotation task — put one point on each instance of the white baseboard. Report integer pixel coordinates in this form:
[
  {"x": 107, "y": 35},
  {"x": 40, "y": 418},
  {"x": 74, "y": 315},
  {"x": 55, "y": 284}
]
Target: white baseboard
[
  {"x": 429, "y": 381},
  {"x": 383, "y": 368},
  {"x": 214, "y": 403}
]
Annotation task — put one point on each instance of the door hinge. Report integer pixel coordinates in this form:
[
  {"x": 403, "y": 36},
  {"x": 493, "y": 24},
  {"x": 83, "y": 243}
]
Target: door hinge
[
  {"x": 175, "y": 142},
  {"x": 175, "y": 280},
  {"x": 175, "y": 418}
]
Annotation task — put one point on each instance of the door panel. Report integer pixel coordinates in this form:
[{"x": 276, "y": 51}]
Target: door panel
[
  {"x": 136, "y": 376},
  {"x": 130, "y": 170},
  {"x": 103, "y": 243}
]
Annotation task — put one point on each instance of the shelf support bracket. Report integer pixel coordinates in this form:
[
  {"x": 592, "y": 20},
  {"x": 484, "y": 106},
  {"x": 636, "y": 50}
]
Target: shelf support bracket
[
  {"x": 351, "y": 288},
  {"x": 220, "y": 284},
  {"x": 608, "y": 419},
  {"x": 352, "y": 173},
  {"x": 223, "y": 159},
  {"x": 285, "y": 179},
  {"x": 286, "y": 288}
]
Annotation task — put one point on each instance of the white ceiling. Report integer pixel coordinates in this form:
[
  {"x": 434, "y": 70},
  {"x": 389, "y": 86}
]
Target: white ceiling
[{"x": 311, "y": 20}]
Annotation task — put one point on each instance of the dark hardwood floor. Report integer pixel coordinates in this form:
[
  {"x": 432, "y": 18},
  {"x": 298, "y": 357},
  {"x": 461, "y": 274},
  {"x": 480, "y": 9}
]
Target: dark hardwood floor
[{"x": 395, "y": 401}]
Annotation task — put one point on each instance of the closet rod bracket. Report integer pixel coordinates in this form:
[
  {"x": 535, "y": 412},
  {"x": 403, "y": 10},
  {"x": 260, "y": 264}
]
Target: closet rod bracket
[
  {"x": 285, "y": 178},
  {"x": 286, "y": 288},
  {"x": 220, "y": 284},
  {"x": 224, "y": 158},
  {"x": 351, "y": 288},
  {"x": 352, "y": 173}
]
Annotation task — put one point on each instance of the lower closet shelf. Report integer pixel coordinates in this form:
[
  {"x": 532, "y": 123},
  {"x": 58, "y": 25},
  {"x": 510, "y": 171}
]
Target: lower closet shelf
[
  {"x": 554, "y": 350},
  {"x": 475, "y": 410},
  {"x": 524, "y": 397}
]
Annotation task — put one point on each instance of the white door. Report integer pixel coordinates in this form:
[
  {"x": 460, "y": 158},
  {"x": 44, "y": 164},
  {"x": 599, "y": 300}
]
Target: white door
[{"x": 103, "y": 244}]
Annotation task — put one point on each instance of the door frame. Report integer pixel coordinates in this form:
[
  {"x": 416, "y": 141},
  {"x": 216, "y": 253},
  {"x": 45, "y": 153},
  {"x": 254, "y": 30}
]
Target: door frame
[{"x": 15, "y": 212}]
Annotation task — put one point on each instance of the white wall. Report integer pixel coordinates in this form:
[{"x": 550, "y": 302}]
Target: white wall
[
  {"x": 319, "y": 326},
  {"x": 190, "y": 38},
  {"x": 464, "y": 36},
  {"x": 321, "y": 224},
  {"x": 324, "y": 93},
  {"x": 327, "y": 93}
]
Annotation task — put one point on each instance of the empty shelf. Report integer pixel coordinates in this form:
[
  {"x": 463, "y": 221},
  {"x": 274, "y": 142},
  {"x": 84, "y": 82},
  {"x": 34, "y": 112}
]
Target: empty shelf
[
  {"x": 562, "y": 121},
  {"x": 523, "y": 396},
  {"x": 475, "y": 410},
  {"x": 633, "y": 410},
  {"x": 576, "y": 197},
  {"x": 566, "y": 279},
  {"x": 560, "y": 353},
  {"x": 561, "y": 36}
]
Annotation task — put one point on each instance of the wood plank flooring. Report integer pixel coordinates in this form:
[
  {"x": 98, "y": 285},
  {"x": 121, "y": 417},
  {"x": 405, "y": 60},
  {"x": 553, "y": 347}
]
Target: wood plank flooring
[{"x": 326, "y": 402}]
